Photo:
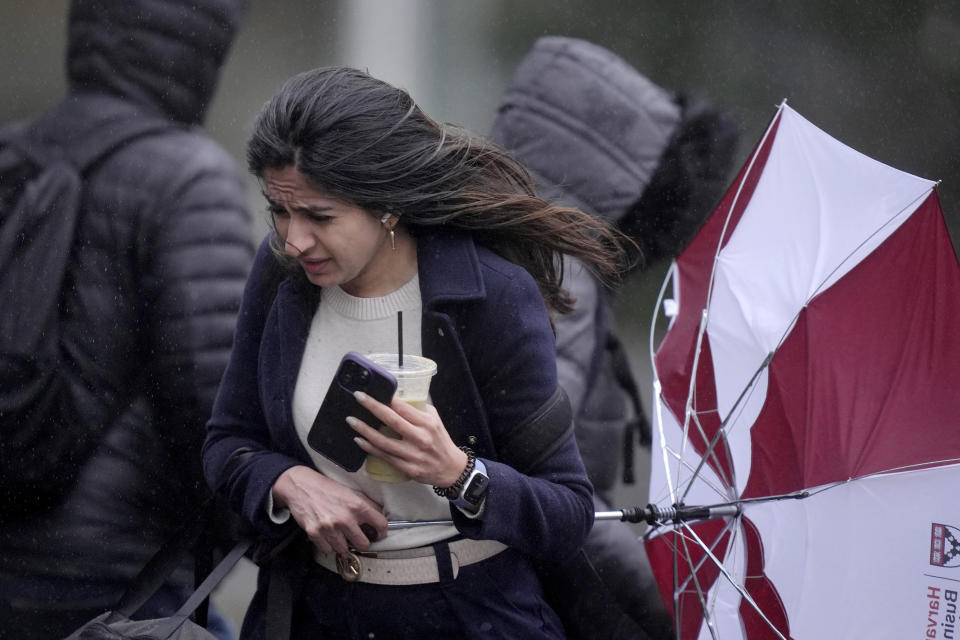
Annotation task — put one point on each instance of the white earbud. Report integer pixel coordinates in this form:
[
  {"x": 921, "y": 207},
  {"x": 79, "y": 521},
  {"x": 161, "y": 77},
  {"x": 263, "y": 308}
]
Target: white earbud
[{"x": 385, "y": 217}]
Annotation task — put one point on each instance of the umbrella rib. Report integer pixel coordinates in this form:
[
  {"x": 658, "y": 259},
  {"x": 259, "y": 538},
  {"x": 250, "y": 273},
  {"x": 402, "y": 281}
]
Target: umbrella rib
[
  {"x": 658, "y": 387},
  {"x": 741, "y": 590},
  {"x": 701, "y": 596},
  {"x": 728, "y": 527},
  {"x": 711, "y": 453},
  {"x": 688, "y": 406},
  {"x": 819, "y": 288},
  {"x": 736, "y": 199},
  {"x": 663, "y": 442},
  {"x": 711, "y": 446},
  {"x": 720, "y": 491},
  {"x": 908, "y": 207},
  {"x": 920, "y": 465}
]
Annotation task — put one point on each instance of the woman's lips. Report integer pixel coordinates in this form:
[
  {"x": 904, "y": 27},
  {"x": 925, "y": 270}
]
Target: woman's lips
[{"x": 315, "y": 267}]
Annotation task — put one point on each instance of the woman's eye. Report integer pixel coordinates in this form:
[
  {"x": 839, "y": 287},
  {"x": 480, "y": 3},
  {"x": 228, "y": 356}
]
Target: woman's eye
[{"x": 277, "y": 212}]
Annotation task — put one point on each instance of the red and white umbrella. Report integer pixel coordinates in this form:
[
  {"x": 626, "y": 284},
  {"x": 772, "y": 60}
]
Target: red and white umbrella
[{"x": 809, "y": 381}]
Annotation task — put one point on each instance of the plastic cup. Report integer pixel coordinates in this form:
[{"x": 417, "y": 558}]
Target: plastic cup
[{"x": 413, "y": 387}]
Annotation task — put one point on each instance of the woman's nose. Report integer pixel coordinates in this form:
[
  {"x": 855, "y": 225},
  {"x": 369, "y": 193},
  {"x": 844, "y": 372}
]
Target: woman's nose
[{"x": 299, "y": 239}]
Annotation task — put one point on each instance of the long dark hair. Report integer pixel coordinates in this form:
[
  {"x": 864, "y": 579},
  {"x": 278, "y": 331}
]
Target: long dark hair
[{"x": 367, "y": 142}]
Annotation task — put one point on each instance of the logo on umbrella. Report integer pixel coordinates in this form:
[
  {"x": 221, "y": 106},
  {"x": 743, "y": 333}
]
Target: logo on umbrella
[{"x": 944, "y": 545}]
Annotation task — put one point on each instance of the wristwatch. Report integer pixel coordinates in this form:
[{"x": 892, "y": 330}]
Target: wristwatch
[{"x": 474, "y": 489}]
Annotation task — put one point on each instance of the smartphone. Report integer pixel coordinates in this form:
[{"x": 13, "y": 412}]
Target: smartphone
[{"x": 330, "y": 434}]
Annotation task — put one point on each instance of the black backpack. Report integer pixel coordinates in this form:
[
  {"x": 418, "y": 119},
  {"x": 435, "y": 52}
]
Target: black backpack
[{"x": 42, "y": 168}]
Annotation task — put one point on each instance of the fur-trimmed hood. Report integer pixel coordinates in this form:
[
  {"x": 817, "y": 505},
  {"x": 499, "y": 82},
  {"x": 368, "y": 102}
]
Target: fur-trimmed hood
[
  {"x": 598, "y": 135},
  {"x": 589, "y": 127}
]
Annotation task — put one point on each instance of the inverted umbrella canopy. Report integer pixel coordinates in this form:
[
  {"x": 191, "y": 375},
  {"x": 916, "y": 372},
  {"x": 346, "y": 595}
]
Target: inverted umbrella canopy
[{"x": 810, "y": 376}]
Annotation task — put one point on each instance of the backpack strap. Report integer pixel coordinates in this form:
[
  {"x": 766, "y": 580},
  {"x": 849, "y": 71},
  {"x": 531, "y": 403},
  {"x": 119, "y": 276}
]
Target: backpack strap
[
  {"x": 202, "y": 593},
  {"x": 164, "y": 562},
  {"x": 83, "y": 130},
  {"x": 639, "y": 426},
  {"x": 610, "y": 350}
]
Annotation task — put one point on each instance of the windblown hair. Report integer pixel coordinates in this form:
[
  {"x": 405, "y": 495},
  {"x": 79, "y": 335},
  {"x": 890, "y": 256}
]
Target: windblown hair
[{"x": 368, "y": 143}]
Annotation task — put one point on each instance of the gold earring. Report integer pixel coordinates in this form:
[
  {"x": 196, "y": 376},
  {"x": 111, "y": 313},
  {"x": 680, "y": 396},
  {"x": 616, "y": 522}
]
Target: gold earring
[{"x": 393, "y": 238}]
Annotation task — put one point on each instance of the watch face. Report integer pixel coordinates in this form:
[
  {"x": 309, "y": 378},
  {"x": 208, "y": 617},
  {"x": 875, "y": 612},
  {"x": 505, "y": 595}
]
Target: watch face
[{"x": 476, "y": 489}]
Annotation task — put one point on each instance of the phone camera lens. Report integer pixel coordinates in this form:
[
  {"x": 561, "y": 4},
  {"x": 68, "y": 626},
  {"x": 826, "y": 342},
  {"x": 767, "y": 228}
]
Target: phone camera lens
[{"x": 354, "y": 376}]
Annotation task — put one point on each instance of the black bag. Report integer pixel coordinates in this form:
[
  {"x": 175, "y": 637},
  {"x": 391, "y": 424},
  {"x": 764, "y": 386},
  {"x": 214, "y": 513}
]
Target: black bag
[
  {"x": 43, "y": 440},
  {"x": 195, "y": 537},
  {"x": 117, "y": 625}
]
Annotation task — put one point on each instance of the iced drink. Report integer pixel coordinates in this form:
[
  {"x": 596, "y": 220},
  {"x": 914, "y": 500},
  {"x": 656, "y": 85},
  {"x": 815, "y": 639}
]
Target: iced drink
[{"x": 413, "y": 387}]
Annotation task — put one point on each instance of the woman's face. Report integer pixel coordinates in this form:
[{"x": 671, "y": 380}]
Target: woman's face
[{"x": 336, "y": 243}]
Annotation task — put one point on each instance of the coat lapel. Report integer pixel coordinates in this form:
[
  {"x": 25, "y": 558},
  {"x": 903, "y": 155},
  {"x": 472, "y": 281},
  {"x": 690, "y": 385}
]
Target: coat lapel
[
  {"x": 295, "y": 305},
  {"x": 450, "y": 273}
]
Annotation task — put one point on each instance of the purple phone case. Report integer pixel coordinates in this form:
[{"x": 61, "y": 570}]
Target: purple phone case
[{"x": 330, "y": 434}]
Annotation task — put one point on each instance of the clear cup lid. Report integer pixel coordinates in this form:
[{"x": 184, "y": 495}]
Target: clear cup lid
[{"x": 413, "y": 366}]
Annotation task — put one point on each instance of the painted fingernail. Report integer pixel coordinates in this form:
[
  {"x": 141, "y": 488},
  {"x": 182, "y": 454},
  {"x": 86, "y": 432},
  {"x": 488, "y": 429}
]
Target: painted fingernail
[
  {"x": 353, "y": 422},
  {"x": 360, "y": 396}
]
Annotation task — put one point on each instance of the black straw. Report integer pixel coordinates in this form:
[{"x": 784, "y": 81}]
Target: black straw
[{"x": 400, "y": 339}]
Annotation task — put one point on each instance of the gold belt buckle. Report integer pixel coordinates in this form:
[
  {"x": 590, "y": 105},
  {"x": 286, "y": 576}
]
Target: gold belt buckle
[{"x": 349, "y": 567}]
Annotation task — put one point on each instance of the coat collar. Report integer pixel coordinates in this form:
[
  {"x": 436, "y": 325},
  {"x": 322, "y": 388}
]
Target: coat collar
[{"x": 449, "y": 267}]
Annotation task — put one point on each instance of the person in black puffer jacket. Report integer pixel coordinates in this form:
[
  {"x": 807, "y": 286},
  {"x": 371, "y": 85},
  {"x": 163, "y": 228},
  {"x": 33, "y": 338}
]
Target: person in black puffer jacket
[
  {"x": 163, "y": 247},
  {"x": 598, "y": 135}
]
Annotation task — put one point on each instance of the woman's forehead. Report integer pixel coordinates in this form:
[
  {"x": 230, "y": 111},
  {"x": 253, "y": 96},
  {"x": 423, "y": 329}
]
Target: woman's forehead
[{"x": 290, "y": 184}]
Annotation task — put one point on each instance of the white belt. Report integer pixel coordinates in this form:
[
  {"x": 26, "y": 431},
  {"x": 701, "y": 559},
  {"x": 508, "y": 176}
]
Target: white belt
[{"x": 406, "y": 566}]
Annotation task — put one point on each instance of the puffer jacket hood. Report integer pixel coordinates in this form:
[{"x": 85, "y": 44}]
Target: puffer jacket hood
[
  {"x": 590, "y": 128},
  {"x": 163, "y": 54}
]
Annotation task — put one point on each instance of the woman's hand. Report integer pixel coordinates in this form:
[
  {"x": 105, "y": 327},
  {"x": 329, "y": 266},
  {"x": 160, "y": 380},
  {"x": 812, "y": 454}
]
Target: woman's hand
[
  {"x": 424, "y": 451},
  {"x": 332, "y": 515}
]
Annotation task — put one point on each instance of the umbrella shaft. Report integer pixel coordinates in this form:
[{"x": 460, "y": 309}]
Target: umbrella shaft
[{"x": 649, "y": 514}]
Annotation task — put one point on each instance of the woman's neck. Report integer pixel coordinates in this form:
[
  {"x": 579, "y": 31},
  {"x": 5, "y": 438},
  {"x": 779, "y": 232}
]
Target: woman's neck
[{"x": 393, "y": 268}]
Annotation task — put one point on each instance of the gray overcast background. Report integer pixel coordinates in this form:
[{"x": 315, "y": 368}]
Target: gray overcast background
[{"x": 882, "y": 76}]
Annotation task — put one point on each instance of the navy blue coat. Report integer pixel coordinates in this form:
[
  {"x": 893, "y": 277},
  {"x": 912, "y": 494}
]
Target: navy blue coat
[{"x": 484, "y": 323}]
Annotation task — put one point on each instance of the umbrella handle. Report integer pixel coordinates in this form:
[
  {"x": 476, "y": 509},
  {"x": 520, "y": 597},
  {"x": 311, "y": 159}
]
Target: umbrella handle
[{"x": 656, "y": 516}]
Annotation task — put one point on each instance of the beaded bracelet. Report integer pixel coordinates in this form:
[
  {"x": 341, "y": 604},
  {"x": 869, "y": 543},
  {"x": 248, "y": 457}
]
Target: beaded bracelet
[{"x": 453, "y": 491}]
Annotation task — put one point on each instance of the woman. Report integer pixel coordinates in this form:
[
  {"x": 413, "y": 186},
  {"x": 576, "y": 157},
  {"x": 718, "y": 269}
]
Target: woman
[{"x": 378, "y": 209}]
